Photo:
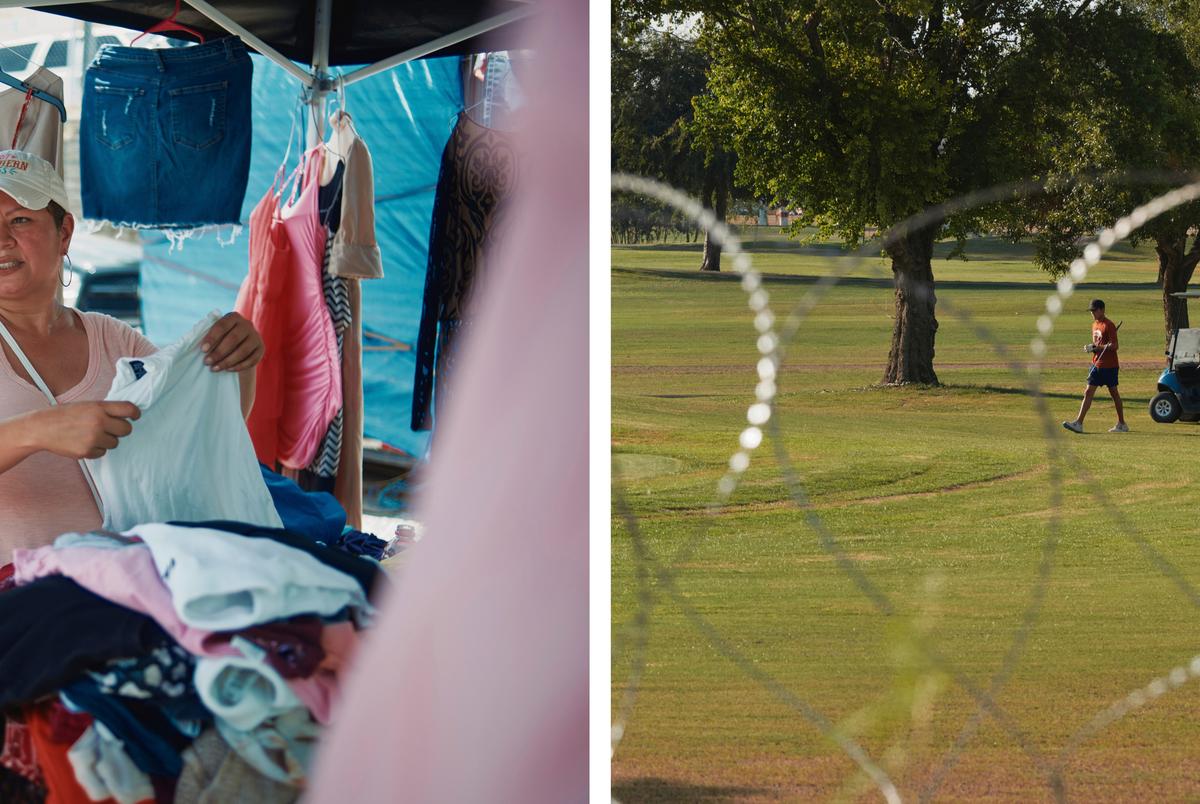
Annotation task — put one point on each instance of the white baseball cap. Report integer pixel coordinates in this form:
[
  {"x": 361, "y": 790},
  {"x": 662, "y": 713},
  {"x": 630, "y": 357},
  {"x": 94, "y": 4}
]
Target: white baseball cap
[{"x": 31, "y": 181}]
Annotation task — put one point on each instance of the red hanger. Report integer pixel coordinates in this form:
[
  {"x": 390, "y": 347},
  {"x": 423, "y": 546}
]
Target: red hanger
[{"x": 169, "y": 24}]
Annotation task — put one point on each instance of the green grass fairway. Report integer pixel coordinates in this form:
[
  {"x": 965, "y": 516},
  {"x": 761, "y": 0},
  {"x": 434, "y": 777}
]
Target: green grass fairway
[{"x": 942, "y": 496}]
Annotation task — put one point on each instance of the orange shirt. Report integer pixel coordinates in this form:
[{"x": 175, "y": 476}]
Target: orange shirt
[{"x": 1104, "y": 331}]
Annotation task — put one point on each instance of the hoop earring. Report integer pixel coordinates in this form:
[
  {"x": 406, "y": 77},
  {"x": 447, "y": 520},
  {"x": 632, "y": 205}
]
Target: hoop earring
[{"x": 70, "y": 272}]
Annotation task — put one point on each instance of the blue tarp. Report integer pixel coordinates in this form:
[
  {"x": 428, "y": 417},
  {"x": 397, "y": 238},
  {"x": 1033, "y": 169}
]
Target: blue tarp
[{"x": 405, "y": 116}]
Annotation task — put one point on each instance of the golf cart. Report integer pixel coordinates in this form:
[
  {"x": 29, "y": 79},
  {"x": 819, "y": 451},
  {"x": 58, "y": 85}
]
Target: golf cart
[{"x": 1178, "y": 394}]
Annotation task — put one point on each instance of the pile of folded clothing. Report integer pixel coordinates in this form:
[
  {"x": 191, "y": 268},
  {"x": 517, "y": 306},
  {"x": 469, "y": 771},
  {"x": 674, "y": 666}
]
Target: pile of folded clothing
[{"x": 179, "y": 662}]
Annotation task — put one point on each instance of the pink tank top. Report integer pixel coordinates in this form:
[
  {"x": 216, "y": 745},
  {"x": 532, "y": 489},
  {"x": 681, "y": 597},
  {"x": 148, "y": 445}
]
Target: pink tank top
[{"x": 302, "y": 399}]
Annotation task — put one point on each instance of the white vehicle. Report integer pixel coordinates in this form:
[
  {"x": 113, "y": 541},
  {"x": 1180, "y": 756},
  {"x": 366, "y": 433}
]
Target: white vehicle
[{"x": 63, "y": 54}]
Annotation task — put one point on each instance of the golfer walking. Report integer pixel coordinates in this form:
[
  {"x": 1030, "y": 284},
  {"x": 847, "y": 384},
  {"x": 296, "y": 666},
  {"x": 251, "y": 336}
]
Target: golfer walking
[{"x": 1103, "y": 349}]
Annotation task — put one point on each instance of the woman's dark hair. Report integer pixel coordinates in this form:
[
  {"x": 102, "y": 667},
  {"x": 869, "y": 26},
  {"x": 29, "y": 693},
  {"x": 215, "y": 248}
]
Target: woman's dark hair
[{"x": 57, "y": 212}]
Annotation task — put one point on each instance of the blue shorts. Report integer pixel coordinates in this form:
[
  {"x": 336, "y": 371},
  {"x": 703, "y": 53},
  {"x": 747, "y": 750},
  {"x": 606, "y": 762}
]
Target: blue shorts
[
  {"x": 164, "y": 137},
  {"x": 1103, "y": 376}
]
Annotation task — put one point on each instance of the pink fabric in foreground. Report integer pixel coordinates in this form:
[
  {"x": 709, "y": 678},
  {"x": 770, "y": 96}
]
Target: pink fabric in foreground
[
  {"x": 127, "y": 576},
  {"x": 473, "y": 686}
]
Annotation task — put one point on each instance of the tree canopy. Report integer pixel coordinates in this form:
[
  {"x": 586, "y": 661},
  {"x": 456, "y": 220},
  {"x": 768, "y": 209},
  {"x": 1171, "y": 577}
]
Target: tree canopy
[
  {"x": 659, "y": 79},
  {"x": 865, "y": 112}
]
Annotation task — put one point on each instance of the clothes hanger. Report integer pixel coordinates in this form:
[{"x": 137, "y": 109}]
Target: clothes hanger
[
  {"x": 339, "y": 121},
  {"x": 169, "y": 24},
  {"x": 282, "y": 177},
  {"x": 341, "y": 129},
  {"x": 34, "y": 92}
]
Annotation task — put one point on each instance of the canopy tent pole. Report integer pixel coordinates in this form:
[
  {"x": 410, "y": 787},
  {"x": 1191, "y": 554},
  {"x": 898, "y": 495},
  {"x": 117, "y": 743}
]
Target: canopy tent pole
[
  {"x": 253, "y": 41},
  {"x": 321, "y": 40},
  {"x": 207, "y": 10},
  {"x": 319, "y": 80},
  {"x": 37, "y": 3},
  {"x": 491, "y": 23}
]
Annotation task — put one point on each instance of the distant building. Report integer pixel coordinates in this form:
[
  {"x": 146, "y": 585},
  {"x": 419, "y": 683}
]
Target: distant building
[{"x": 774, "y": 217}]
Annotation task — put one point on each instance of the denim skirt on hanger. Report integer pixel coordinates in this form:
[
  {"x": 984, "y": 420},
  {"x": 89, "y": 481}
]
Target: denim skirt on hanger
[{"x": 164, "y": 138}]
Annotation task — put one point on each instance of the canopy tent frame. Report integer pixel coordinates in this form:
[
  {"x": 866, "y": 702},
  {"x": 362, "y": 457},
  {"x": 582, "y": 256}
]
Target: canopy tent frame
[{"x": 317, "y": 81}]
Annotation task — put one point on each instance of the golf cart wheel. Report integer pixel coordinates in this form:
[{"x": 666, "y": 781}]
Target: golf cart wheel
[{"x": 1165, "y": 408}]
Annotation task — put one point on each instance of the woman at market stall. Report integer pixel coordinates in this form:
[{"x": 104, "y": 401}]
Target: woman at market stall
[{"x": 43, "y": 490}]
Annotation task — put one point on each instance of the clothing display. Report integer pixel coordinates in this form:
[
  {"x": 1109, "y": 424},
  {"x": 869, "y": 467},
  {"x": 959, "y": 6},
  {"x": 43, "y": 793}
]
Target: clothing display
[
  {"x": 292, "y": 647},
  {"x": 365, "y": 572},
  {"x": 315, "y": 514},
  {"x": 52, "y": 630},
  {"x": 164, "y": 674},
  {"x": 125, "y": 573},
  {"x": 47, "y": 493},
  {"x": 152, "y": 741},
  {"x": 355, "y": 252},
  {"x": 52, "y": 742},
  {"x": 337, "y": 464},
  {"x": 357, "y": 543},
  {"x": 17, "y": 756},
  {"x": 268, "y": 683},
  {"x": 184, "y": 637},
  {"x": 104, "y": 770},
  {"x": 214, "y": 774},
  {"x": 348, "y": 488},
  {"x": 224, "y": 581},
  {"x": 307, "y": 393},
  {"x": 341, "y": 452},
  {"x": 479, "y": 171},
  {"x": 280, "y": 749},
  {"x": 322, "y": 472},
  {"x": 16, "y": 789},
  {"x": 164, "y": 137},
  {"x": 29, "y": 124},
  {"x": 243, "y": 690},
  {"x": 261, "y": 300},
  {"x": 320, "y": 692},
  {"x": 189, "y": 456}
]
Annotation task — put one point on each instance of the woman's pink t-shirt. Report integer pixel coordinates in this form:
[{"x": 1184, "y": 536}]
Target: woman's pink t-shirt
[{"x": 45, "y": 495}]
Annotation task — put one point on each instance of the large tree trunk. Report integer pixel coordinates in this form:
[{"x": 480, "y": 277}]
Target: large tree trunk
[
  {"x": 716, "y": 198},
  {"x": 1175, "y": 268},
  {"x": 915, "y": 327}
]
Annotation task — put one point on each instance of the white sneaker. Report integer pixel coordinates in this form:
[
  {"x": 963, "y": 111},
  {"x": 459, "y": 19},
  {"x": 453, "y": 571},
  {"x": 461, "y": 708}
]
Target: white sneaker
[
  {"x": 1121, "y": 427},
  {"x": 1074, "y": 427}
]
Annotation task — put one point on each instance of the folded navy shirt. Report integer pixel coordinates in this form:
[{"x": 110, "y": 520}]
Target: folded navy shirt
[{"x": 52, "y": 630}]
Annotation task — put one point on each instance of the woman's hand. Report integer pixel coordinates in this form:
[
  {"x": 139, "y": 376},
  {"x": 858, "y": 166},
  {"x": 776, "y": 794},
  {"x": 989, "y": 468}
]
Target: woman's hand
[
  {"x": 82, "y": 429},
  {"x": 233, "y": 344}
]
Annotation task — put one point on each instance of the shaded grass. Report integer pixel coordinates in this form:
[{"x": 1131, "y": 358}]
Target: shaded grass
[{"x": 942, "y": 495}]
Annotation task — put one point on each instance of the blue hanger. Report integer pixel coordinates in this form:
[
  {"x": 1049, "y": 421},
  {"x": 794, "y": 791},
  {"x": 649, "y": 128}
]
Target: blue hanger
[{"x": 17, "y": 83}]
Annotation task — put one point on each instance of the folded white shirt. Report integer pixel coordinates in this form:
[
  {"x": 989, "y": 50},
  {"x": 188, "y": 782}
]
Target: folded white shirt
[
  {"x": 104, "y": 770},
  {"x": 243, "y": 690},
  {"x": 222, "y": 581}
]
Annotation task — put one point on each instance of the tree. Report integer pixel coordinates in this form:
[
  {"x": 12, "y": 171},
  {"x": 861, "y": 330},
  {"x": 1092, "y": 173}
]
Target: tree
[
  {"x": 1112, "y": 88},
  {"x": 657, "y": 77},
  {"x": 1176, "y": 261},
  {"x": 710, "y": 132},
  {"x": 855, "y": 111}
]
